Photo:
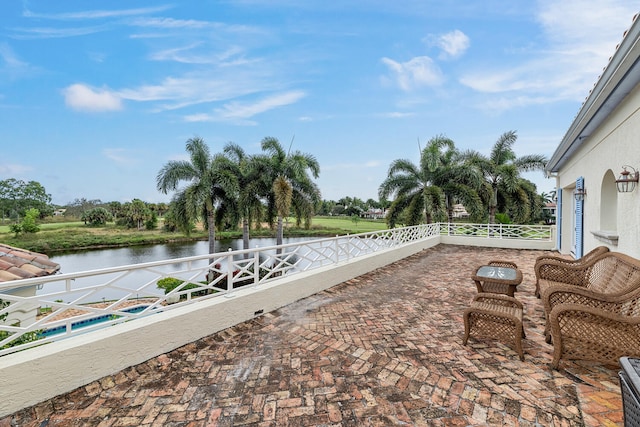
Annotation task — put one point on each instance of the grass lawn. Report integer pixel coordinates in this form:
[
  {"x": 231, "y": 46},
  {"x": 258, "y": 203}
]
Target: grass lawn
[
  {"x": 346, "y": 224},
  {"x": 64, "y": 236}
]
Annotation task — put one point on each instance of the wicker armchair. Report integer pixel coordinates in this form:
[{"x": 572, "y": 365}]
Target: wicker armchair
[
  {"x": 600, "y": 329},
  {"x": 551, "y": 268},
  {"x": 591, "y": 320}
]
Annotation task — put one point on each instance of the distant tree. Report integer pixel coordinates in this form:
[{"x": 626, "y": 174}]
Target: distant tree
[
  {"x": 325, "y": 207},
  {"x": 116, "y": 209},
  {"x": 28, "y": 224},
  {"x": 152, "y": 222},
  {"x": 17, "y": 196},
  {"x": 78, "y": 206},
  {"x": 338, "y": 210},
  {"x": 372, "y": 204},
  {"x": 137, "y": 213},
  {"x": 96, "y": 216},
  {"x": 162, "y": 208}
]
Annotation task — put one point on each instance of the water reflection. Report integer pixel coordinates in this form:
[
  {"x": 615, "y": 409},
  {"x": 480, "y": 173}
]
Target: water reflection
[{"x": 116, "y": 257}]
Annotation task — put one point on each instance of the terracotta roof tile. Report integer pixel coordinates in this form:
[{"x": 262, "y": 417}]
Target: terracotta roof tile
[{"x": 18, "y": 263}]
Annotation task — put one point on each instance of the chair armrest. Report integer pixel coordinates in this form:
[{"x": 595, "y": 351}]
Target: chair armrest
[
  {"x": 611, "y": 302},
  {"x": 545, "y": 258},
  {"x": 581, "y": 310},
  {"x": 561, "y": 271}
]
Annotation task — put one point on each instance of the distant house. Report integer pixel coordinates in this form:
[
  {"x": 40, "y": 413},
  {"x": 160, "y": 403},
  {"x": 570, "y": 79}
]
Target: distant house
[
  {"x": 374, "y": 213},
  {"x": 459, "y": 211},
  {"x": 596, "y": 163},
  {"x": 59, "y": 212}
]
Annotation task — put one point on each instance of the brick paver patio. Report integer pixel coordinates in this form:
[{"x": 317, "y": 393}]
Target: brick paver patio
[{"x": 384, "y": 349}]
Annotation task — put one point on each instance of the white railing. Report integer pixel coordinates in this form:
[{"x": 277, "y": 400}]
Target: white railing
[
  {"x": 498, "y": 231},
  {"x": 40, "y": 310}
]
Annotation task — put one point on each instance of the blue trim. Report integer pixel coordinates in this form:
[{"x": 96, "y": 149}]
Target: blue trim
[
  {"x": 579, "y": 220},
  {"x": 559, "y": 219}
]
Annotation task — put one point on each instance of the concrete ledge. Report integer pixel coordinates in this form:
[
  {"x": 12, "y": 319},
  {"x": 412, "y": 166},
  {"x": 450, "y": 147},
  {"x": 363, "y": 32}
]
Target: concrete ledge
[{"x": 40, "y": 373}]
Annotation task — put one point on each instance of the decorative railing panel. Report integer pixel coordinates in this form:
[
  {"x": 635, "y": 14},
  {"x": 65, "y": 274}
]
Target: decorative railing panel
[{"x": 41, "y": 310}]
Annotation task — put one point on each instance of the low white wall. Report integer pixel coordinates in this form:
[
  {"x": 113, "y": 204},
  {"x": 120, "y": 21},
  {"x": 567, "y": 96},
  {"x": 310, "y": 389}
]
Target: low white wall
[
  {"x": 500, "y": 243},
  {"x": 40, "y": 373}
]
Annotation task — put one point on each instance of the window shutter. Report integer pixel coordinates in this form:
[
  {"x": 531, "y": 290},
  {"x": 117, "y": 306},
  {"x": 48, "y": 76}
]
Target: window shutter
[
  {"x": 579, "y": 220},
  {"x": 559, "y": 219}
]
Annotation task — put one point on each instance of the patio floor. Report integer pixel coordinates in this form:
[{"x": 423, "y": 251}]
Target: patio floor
[{"x": 383, "y": 349}]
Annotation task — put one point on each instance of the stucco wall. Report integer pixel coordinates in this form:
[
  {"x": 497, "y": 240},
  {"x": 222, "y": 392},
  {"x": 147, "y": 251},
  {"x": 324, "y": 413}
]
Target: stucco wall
[{"x": 599, "y": 160}]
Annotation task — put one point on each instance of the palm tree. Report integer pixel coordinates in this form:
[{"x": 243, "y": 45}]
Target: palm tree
[
  {"x": 290, "y": 185},
  {"x": 209, "y": 184},
  {"x": 502, "y": 168},
  {"x": 250, "y": 187},
  {"x": 428, "y": 190}
]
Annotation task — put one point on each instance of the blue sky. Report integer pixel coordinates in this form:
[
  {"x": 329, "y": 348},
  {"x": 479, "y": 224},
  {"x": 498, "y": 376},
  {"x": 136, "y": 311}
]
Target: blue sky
[{"x": 95, "y": 97}]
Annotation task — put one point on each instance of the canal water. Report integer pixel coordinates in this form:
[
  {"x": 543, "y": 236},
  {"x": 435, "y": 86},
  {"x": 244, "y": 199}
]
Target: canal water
[{"x": 115, "y": 257}]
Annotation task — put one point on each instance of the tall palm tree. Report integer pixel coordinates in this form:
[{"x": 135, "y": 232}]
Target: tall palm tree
[
  {"x": 502, "y": 168},
  {"x": 209, "y": 184},
  {"x": 250, "y": 187},
  {"x": 290, "y": 183},
  {"x": 428, "y": 190}
]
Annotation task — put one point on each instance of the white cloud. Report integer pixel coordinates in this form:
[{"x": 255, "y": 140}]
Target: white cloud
[
  {"x": 81, "y": 97},
  {"x": 170, "y": 23},
  {"x": 418, "y": 72},
  {"x": 9, "y": 57},
  {"x": 119, "y": 155},
  {"x": 96, "y": 14},
  {"x": 578, "y": 42},
  {"x": 14, "y": 170},
  {"x": 453, "y": 44},
  {"x": 239, "y": 112},
  {"x": 396, "y": 115},
  {"x": 53, "y": 33}
]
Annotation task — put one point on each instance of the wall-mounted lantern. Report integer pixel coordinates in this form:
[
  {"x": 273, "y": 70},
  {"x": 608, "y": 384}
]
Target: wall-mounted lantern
[
  {"x": 627, "y": 181},
  {"x": 580, "y": 194}
]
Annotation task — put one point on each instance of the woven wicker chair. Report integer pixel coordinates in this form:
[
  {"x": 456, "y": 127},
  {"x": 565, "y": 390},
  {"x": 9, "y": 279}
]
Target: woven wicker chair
[
  {"x": 599, "y": 329},
  {"x": 551, "y": 268},
  {"x": 590, "y": 321}
]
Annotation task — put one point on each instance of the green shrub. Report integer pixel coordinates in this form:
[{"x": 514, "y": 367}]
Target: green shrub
[{"x": 502, "y": 218}]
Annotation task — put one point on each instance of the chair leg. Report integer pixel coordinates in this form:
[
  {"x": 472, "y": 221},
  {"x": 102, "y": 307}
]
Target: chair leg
[
  {"x": 518, "y": 334},
  {"x": 467, "y": 328}
]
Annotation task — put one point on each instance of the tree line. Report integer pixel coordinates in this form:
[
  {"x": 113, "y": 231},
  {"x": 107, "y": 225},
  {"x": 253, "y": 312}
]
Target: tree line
[{"x": 231, "y": 188}]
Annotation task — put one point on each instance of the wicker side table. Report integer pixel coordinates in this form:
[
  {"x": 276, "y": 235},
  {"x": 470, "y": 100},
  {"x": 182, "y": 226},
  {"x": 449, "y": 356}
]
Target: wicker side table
[
  {"x": 630, "y": 390},
  {"x": 499, "y": 277},
  {"x": 496, "y": 316}
]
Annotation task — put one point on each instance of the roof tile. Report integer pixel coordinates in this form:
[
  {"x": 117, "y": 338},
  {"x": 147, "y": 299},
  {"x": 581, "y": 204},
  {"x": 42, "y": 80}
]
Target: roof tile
[{"x": 16, "y": 263}]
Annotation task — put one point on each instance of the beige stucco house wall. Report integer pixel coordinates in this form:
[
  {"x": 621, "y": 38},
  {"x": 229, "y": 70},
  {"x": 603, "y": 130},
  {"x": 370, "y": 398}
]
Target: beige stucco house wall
[{"x": 603, "y": 138}]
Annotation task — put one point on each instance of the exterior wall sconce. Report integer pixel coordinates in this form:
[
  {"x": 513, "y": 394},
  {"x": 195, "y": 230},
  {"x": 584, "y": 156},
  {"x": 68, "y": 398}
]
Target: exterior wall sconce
[
  {"x": 579, "y": 194},
  {"x": 627, "y": 181}
]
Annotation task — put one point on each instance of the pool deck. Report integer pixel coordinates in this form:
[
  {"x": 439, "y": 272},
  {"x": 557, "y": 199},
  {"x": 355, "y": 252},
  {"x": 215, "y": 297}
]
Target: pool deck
[{"x": 384, "y": 349}]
